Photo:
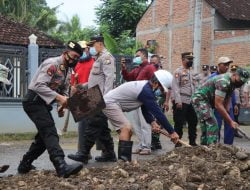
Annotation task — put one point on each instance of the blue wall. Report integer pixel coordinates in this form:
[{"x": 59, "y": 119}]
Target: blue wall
[{"x": 14, "y": 119}]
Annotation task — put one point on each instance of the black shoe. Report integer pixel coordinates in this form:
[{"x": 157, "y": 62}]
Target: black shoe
[
  {"x": 25, "y": 166},
  {"x": 193, "y": 144},
  {"x": 108, "y": 157},
  {"x": 65, "y": 170},
  {"x": 80, "y": 157},
  {"x": 156, "y": 146},
  {"x": 177, "y": 145},
  {"x": 125, "y": 150},
  {"x": 4, "y": 168}
]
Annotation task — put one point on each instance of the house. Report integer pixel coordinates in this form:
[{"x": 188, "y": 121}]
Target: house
[{"x": 209, "y": 28}]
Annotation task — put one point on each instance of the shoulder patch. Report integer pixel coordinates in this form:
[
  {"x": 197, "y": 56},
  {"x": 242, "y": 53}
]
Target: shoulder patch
[
  {"x": 176, "y": 75},
  {"x": 62, "y": 67},
  {"x": 51, "y": 70}
]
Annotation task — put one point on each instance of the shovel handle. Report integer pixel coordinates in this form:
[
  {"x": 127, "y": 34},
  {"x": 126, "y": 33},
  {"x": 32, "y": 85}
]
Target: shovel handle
[{"x": 180, "y": 141}]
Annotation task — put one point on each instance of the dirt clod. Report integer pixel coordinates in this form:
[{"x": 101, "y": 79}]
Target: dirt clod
[{"x": 197, "y": 168}]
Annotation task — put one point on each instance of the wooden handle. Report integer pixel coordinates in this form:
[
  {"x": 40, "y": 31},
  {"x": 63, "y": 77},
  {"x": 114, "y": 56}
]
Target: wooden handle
[
  {"x": 66, "y": 123},
  {"x": 180, "y": 141}
]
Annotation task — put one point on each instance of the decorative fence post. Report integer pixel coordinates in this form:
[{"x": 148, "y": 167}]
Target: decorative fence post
[{"x": 32, "y": 56}]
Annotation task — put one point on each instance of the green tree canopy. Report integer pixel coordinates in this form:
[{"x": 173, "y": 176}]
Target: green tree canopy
[
  {"x": 35, "y": 13},
  {"x": 72, "y": 30},
  {"x": 120, "y": 16}
]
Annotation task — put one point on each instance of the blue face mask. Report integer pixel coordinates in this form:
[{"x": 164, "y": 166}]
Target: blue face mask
[
  {"x": 84, "y": 55},
  {"x": 92, "y": 51},
  {"x": 137, "y": 60}
]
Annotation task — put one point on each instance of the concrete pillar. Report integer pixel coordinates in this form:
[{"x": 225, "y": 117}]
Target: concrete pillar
[
  {"x": 197, "y": 34},
  {"x": 32, "y": 56}
]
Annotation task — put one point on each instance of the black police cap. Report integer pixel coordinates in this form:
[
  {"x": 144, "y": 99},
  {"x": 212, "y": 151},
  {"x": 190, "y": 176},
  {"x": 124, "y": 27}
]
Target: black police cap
[
  {"x": 205, "y": 67},
  {"x": 74, "y": 46},
  {"x": 95, "y": 39},
  {"x": 213, "y": 68},
  {"x": 187, "y": 55}
]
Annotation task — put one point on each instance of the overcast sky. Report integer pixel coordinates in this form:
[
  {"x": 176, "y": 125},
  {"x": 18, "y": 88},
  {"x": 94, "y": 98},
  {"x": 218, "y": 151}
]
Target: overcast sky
[{"x": 85, "y": 9}]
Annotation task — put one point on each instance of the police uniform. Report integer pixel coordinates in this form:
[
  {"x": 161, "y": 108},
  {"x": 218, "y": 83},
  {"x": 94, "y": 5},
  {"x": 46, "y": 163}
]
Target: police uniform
[
  {"x": 182, "y": 90},
  {"x": 51, "y": 79},
  {"x": 204, "y": 99},
  {"x": 102, "y": 74}
]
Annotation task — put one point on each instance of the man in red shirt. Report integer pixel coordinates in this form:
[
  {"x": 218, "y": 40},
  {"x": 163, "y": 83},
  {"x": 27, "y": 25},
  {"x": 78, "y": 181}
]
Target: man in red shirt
[
  {"x": 144, "y": 71},
  {"x": 82, "y": 70}
]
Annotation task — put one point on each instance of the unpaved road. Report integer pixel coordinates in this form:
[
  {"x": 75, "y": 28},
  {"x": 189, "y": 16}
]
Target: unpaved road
[{"x": 12, "y": 152}]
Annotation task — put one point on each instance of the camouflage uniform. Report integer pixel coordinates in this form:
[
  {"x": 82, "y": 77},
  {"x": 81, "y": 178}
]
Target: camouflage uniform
[{"x": 203, "y": 103}]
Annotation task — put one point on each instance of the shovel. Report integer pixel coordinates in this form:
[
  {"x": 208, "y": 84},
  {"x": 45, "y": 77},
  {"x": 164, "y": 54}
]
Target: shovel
[
  {"x": 243, "y": 133},
  {"x": 4, "y": 168},
  {"x": 179, "y": 141}
]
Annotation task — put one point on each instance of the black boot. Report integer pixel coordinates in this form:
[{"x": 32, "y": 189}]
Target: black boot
[
  {"x": 106, "y": 157},
  {"x": 4, "y": 168},
  {"x": 156, "y": 143},
  {"x": 25, "y": 165},
  {"x": 79, "y": 157},
  {"x": 108, "y": 153},
  {"x": 125, "y": 150},
  {"x": 65, "y": 170}
]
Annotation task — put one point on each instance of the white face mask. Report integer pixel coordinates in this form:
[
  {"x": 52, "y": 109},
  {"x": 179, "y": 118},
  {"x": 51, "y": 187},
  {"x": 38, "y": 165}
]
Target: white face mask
[{"x": 137, "y": 60}]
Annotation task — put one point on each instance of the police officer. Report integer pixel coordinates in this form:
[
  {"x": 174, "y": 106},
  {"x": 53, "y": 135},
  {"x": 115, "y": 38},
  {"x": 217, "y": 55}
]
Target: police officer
[
  {"x": 201, "y": 77},
  {"x": 102, "y": 74},
  {"x": 49, "y": 84},
  {"x": 3, "y": 81},
  {"x": 182, "y": 89},
  {"x": 213, "y": 69}
]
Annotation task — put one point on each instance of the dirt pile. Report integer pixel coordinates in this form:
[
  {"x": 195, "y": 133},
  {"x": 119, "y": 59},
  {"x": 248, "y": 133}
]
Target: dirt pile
[{"x": 198, "y": 168}]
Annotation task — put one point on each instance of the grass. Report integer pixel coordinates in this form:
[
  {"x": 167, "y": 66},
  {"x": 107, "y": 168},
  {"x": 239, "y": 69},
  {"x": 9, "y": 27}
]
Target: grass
[{"x": 28, "y": 136}]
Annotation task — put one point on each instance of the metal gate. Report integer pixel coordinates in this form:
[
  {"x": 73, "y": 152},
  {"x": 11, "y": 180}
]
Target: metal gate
[
  {"x": 45, "y": 53},
  {"x": 15, "y": 58}
]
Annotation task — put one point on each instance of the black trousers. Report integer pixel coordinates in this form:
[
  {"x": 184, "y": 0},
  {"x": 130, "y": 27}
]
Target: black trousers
[
  {"x": 187, "y": 114},
  {"x": 97, "y": 128},
  {"x": 47, "y": 137}
]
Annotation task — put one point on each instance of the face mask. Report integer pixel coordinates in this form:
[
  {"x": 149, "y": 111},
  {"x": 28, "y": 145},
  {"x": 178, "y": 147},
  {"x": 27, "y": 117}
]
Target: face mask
[
  {"x": 137, "y": 60},
  {"x": 92, "y": 51},
  {"x": 84, "y": 55},
  {"x": 73, "y": 63},
  {"x": 190, "y": 63}
]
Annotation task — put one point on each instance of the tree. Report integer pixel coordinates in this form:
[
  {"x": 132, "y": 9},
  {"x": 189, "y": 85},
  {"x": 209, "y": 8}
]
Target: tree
[
  {"x": 120, "y": 16},
  {"x": 72, "y": 30},
  {"x": 34, "y": 13}
]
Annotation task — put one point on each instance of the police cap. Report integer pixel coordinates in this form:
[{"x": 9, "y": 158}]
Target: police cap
[
  {"x": 213, "y": 68},
  {"x": 233, "y": 67},
  {"x": 187, "y": 55},
  {"x": 205, "y": 67},
  {"x": 74, "y": 46},
  {"x": 95, "y": 39}
]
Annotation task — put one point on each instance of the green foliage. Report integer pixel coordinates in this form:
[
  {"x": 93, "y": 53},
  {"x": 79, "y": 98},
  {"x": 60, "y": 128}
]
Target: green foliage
[
  {"x": 120, "y": 16},
  {"x": 35, "y": 13},
  {"x": 72, "y": 30}
]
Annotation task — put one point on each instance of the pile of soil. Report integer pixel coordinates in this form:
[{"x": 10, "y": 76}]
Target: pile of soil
[{"x": 197, "y": 168}]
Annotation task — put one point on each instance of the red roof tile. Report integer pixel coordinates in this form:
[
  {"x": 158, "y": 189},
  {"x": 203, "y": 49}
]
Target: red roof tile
[
  {"x": 12, "y": 32},
  {"x": 232, "y": 9}
]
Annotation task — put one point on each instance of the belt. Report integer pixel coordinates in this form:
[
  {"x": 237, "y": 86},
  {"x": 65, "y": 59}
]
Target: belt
[{"x": 31, "y": 96}]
